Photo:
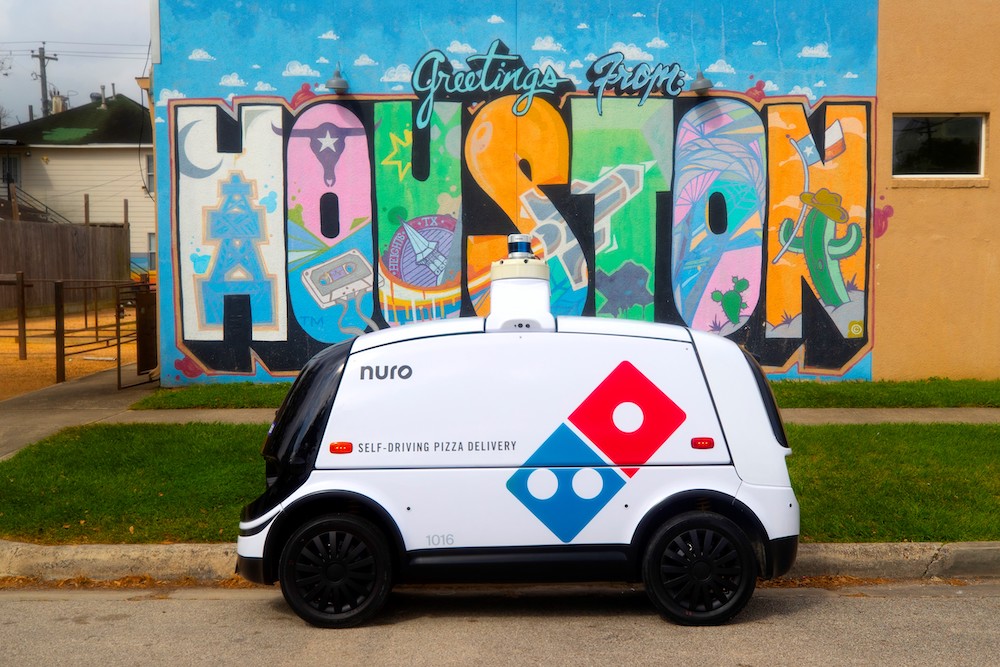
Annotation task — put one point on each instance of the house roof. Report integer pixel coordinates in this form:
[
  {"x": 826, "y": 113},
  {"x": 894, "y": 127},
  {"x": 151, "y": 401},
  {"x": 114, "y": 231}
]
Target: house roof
[{"x": 124, "y": 121}]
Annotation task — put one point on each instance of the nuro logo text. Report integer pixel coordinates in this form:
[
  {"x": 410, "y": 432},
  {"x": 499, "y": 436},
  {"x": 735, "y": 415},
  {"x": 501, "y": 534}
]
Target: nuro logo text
[{"x": 386, "y": 372}]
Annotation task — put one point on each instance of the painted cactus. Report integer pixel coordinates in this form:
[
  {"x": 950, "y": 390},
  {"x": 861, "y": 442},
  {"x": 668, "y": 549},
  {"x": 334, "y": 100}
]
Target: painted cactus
[
  {"x": 732, "y": 300},
  {"x": 820, "y": 246}
]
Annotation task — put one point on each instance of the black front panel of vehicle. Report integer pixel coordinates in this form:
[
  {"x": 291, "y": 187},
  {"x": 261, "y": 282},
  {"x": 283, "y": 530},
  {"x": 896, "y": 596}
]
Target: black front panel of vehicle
[{"x": 294, "y": 438}]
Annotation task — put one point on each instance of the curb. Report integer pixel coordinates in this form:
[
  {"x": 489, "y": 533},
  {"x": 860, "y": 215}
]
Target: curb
[
  {"x": 909, "y": 560},
  {"x": 921, "y": 560},
  {"x": 115, "y": 561}
]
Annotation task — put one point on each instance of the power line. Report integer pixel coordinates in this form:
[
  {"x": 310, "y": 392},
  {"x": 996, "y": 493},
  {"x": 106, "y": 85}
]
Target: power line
[
  {"x": 138, "y": 46},
  {"x": 106, "y": 56},
  {"x": 35, "y": 41}
]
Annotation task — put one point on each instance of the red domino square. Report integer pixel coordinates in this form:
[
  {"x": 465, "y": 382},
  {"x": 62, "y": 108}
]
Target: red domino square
[{"x": 660, "y": 417}]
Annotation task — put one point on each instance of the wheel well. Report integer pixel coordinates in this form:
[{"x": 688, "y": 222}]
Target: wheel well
[
  {"x": 702, "y": 501},
  {"x": 314, "y": 506}
]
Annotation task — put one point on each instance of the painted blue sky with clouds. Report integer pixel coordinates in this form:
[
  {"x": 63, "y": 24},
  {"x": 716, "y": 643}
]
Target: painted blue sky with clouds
[{"x": 225, "y": 48}]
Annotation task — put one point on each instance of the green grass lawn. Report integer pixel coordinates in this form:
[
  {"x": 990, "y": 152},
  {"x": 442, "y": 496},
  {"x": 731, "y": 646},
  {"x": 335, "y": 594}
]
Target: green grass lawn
[
  {"x": 169, "y": 483},
  {"x": 933, "y": 393},
  {"x": 123, "y": 484},
  {"x": 897, "y": 482}
]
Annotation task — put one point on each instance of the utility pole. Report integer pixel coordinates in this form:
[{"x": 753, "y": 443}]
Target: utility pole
[{"x": 41, "y": 57}]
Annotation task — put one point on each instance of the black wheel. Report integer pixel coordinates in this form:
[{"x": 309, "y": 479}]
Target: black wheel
[
  {"x": 336, "y": 571},
  {"x": 699, "y": 569}
]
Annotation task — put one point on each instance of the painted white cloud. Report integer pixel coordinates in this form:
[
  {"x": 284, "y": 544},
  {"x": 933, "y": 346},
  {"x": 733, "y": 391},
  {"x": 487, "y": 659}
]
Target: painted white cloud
[
  {"x": 398, "y": 88},
  {"x": 329, "y": 34},
  {"x": 850, "y": 75},
  {"x": 819, "y": 84},
  {"x": 770, "y": 86},
  {"x": 821, "y": 50},
  {"x": 803, "y": 90},
  {"x": 591, "y": 57},
  {"x": 201, "y": 54},
  {"x": 322, "y": 61},
  {"x": 546, "y": 43},
  {"x": 364, "y": 61},
  {"x": 166, "y": 95},
  {"x": 458, "y": 47},
  {"x": 255, "y": 66},
  {"x": 264, "y": 87},
  {"x": 457, "y": 64},
  {"x": 559, "y": 66},
  {"x": 631, "y": 51},
  {"x": 232, "y": 81},
  {"x": 295, "y": 68},
  {"x": 720, "y": 66},
  {"x": 638, "y": 15},
  {"x": 576, "y": 63},
  {"x": 321, "y": 88},
  {"x": 494, "y": 19},
  {"x": 760, "y": 42},
  {"x": 400, "y": 73},
  {"x": 657, "y": 43},
  {"x": 582, "y": 26},
  {"x": 160, "y": 120}
]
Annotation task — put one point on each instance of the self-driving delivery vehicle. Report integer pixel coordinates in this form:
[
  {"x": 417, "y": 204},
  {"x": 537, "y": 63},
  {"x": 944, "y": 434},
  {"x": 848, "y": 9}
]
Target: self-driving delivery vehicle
[{"x": 524, "y": 447}]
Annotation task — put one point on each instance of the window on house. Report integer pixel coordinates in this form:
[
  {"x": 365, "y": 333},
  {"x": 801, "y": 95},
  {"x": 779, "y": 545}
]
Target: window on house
[
  {"x": 151, "y": 251},
  {"x": 10, "y": 170},
  {"x": 150, "y": 174},
  {"x": 938, "y": 145}
]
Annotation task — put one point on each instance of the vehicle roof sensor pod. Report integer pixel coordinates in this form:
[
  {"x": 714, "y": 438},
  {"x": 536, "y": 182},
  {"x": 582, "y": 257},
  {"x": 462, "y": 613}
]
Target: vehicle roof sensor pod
[{"x": 519, "y": 290}]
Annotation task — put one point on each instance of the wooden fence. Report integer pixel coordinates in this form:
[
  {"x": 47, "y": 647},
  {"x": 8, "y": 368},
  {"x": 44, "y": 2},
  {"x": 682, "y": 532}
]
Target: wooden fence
[{"x": 45, "y": 252}]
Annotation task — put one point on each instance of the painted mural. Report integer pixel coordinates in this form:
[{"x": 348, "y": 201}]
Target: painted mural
[{"x": 297, "y": 217}]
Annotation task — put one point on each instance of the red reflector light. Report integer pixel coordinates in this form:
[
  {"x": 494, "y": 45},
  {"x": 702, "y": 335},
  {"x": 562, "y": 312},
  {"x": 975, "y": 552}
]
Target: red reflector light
[
  {"x": 702, "y": 443},
  {"x": 341, "y": 447}
]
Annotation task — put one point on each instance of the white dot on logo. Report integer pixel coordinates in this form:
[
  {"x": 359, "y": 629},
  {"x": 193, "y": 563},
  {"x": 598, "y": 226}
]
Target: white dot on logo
[
  {"x": 542, "y": 484},
  {"x": 627, "y": 417},
  {"x": 588, "y": 483}
]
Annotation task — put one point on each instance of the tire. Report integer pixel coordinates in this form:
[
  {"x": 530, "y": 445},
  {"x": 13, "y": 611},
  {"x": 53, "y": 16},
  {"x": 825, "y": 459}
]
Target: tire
[
  {"x": 699, "y": 569},
  {"x": 336, "y": 571}
]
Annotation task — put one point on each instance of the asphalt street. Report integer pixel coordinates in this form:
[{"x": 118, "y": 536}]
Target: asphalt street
[{"x": 908, "y": 624}]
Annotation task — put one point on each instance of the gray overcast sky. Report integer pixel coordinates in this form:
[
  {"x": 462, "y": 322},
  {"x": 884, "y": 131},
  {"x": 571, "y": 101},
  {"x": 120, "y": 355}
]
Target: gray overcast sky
[{"x": 97, "y": 42}]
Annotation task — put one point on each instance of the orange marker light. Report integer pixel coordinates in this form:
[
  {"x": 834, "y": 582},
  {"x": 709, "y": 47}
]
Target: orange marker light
[
  {"x": 702, "y": 443},
  {"x": 341, "y": 447}
]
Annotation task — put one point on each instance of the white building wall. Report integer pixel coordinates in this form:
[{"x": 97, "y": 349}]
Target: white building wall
[{"x": 60, "y": 176}]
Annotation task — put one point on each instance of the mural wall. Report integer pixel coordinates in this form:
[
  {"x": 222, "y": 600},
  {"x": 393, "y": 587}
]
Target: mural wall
[{"x": 297, "y": 217}]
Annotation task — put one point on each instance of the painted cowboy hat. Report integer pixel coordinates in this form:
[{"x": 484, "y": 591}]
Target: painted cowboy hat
[{"x": 827, "y": 203}]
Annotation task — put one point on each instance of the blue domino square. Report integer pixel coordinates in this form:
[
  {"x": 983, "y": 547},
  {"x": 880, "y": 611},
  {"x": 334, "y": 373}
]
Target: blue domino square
[{"x": 565, "y": 455}]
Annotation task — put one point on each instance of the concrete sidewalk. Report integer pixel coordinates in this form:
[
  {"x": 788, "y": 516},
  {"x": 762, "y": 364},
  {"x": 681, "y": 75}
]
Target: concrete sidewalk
[{"x": 96, "y": 399}]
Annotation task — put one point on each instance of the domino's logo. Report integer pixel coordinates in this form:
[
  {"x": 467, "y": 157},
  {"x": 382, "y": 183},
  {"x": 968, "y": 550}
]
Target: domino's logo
[{"x": 569, "y": 479}]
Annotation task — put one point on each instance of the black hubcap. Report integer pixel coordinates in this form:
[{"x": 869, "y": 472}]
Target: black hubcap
[
  {"x": 335, "y": 572},
  {"x": 701, "y": 570}
]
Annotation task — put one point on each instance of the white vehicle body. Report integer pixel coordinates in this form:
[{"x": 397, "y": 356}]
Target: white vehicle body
[{"x": 524, "y": 447}]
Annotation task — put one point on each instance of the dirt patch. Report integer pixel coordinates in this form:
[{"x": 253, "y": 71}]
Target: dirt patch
[
  {"x": 836, "y": 582},
  {"x": 133, "y": 582},
  {"x": 96, "y": 351}
]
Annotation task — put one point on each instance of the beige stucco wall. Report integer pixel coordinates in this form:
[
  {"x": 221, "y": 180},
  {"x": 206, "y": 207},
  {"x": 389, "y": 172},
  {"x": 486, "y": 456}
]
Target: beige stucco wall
[{"x": 937, "y": 267}]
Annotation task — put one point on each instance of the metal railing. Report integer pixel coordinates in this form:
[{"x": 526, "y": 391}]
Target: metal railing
[
  {"x": 49, "y": 215},
  {"x": 97, "y": 333}
]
